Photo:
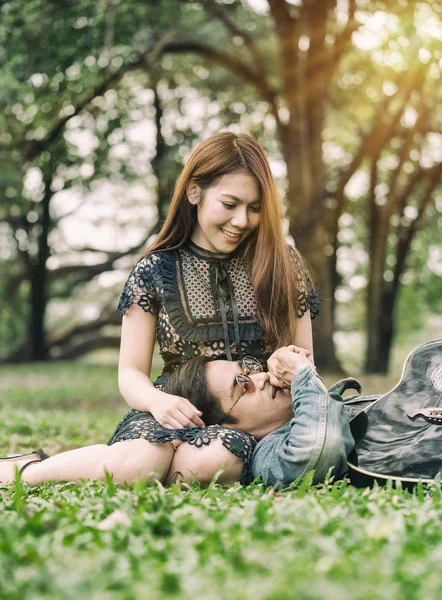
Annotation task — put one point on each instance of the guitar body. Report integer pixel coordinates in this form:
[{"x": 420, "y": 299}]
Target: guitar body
[{"x": 402, "y": 430}]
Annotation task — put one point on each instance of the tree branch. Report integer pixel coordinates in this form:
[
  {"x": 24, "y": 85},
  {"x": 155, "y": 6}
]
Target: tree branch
[
  {"x": 406, "y": 234},
  {"x": 342, "y": 41},
  {"x": 84, "y": 273},
  {"x": 106, "y": 318},
  {"x": 288, "y": 30},
  {"x": 381, "y": 131},
  {"x": 226, "y": 60},
  {"x": 403, "y": 156},
  {"x": 81, "y": 273},
  {"x": 13, "y": 221},
  {"x": 417, "y": 177},
  {"x": 56, "y": 220},
  {"x": 280, "y": 12},
  {"x": 35, "y": 147},
  {"x": 117, "y": 255},
  {"x": 82, "y": 348},
  {"x": 213, "y": 9}
]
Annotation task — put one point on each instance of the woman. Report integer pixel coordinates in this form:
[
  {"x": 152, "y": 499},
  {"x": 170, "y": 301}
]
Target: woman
[
  {"x": 158, "y": 459},
  {"x": 219, "y": 281},
  {"x": 217, "y": 387}
]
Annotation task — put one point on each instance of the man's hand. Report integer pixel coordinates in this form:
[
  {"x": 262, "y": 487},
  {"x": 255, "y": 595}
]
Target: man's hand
[{"x": 285, "y": 362}]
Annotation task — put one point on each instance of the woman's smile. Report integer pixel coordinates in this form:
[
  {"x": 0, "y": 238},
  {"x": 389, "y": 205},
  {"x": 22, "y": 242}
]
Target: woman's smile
[
  {"x": 228, "y": 212},
  {"x": 232, "y": 237}
]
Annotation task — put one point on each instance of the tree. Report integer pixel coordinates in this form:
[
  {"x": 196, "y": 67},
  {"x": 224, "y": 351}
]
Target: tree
[
  {"x": 59, "y": 131},
  {"x": 41, "y": 110},
  {"x": 297, "y": 76},
  {"x": 312, "y": 49},
  {"x": 399, "y": 154}
]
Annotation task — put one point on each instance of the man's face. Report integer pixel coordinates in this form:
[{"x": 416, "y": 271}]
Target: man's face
[{"x": 258, "y": 412}]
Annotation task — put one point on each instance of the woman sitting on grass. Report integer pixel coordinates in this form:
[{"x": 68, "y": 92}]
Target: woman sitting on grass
[
  {"x": 219, "y": 281},
  {"x": 308, "y": 428}
]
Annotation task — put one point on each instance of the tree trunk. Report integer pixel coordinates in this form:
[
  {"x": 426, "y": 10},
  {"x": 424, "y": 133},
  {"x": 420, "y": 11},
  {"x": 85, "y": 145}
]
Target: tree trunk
[
  {"x": 38, "y": 279},
  {"x": 312, "y": 246},
  {"x": 311, "y": 241},
  {"x": 36, "y": 335},
  {"x": 301, "y": 142},
  {"x": 158, "y": 162},
  {"x": 380, "y": 335},
  {"x": 82, "y": 348},
  {"x": 311, "y": 236},
  {"x": 382, "y": 296}
]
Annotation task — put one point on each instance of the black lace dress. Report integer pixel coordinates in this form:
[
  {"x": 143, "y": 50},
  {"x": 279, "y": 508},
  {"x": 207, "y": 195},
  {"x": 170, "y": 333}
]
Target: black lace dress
[{"x": 205, "y": 305}]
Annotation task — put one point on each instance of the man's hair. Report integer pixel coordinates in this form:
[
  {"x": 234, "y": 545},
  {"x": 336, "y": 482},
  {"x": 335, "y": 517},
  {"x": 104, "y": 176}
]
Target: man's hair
[{"x": 189, "y": 380}]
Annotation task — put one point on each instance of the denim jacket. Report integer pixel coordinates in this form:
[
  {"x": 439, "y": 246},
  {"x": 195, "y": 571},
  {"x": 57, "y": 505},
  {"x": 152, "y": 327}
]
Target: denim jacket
[{"x": 318, "y": 437}]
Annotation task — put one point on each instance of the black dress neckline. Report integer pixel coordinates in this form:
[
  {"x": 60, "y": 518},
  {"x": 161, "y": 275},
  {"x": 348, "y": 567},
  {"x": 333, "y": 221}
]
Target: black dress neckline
[{"x": 208, "y": 254}]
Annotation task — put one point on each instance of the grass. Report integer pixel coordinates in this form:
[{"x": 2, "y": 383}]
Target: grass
[
  {"x": 95, "y": 540},
  {"x": 60, "y": 385}
]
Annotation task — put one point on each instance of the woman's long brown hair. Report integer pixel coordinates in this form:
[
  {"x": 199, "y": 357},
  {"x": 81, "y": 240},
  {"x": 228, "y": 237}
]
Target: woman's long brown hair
[{"x": 273, "y": 272}]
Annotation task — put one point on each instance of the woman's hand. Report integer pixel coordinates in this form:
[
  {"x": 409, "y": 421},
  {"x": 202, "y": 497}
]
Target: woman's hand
[
  {"x": 175, "y": 412},
  {"x": 285, "y": 362}
]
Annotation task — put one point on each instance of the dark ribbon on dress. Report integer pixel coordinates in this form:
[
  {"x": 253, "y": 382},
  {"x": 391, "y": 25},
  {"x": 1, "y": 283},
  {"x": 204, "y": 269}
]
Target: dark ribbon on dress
[{"x": 226, "y": 299}]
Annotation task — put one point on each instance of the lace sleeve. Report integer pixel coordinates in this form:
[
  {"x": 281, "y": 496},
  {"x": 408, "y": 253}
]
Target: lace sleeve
[
  {"x": 308, "y": 298},
  {"x": 140, "y": 287}
]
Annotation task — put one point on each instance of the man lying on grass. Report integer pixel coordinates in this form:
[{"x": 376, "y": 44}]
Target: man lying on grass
[{"x": 297, "y": 429}]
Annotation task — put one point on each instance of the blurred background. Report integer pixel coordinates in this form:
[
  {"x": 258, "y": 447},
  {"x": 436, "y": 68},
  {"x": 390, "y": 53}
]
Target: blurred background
[{"x": 101, "y": 103}]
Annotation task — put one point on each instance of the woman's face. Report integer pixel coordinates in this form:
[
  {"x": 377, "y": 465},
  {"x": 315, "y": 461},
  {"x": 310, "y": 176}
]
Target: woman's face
[{"x": 227, "y": 213}]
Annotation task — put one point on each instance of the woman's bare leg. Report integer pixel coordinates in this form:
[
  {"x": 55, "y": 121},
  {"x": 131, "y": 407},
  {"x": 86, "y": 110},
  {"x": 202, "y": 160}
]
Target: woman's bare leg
[
  {"x": 203, "y": 463},
  {"x": 126, "y": 461}
]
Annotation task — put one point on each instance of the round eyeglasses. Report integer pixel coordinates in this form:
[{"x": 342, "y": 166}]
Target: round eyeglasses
[{"x": 250, "y": 366}]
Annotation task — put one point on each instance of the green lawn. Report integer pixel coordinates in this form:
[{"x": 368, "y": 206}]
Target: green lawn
[{"x": 330, "y": 542}]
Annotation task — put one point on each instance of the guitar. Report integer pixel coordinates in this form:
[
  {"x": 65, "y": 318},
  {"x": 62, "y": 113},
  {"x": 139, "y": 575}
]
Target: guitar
[{"x": 399, "y": 435}]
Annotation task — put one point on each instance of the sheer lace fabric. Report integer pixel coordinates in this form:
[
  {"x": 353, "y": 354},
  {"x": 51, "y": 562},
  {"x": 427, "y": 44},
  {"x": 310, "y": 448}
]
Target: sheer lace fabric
[
  {"x": 136, "y": 425},
  {"x": 183, "y": 290}
]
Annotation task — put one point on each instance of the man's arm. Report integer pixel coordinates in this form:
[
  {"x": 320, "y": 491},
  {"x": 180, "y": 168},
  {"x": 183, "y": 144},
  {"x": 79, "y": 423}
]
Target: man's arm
[{"x": 318, "y": 437}]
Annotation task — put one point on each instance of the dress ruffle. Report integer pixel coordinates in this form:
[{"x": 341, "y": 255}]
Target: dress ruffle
[
  {"x": 190, "y": 331},
  {"x": 184, "y": 289},
  {"x": 142, "y": 425}
]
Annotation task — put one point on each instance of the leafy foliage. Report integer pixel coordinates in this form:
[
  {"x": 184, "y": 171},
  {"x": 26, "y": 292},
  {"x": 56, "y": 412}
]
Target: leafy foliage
[{"x": 102, "y": 102}]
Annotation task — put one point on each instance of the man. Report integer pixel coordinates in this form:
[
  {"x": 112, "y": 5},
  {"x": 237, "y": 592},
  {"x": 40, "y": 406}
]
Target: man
[{"x": 298, "y": 429}]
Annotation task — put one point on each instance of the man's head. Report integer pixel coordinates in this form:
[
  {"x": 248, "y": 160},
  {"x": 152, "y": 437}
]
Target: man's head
[{"x": 211, "y": 386}]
